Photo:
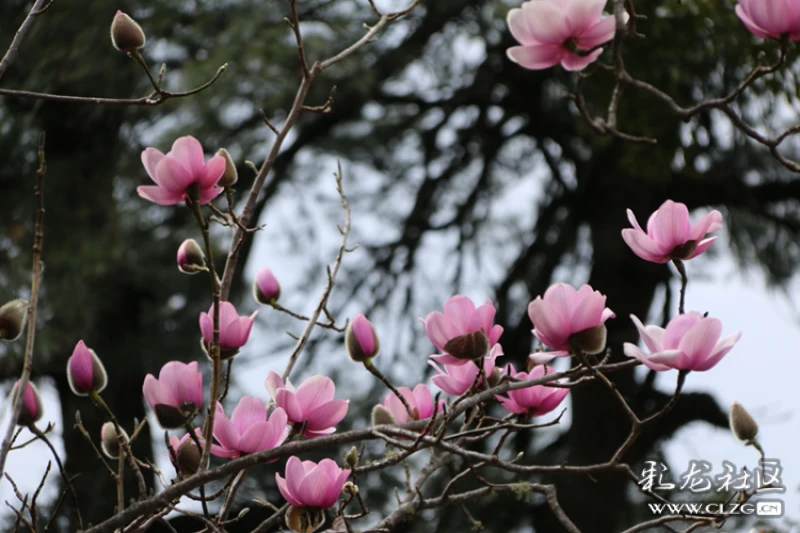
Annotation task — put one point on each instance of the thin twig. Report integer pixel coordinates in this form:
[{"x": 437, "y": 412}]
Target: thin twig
[{"x": 36, "y": 279}]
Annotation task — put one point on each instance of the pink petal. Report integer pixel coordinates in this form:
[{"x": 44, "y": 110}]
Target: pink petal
[
  {"x": 574, "y": 62},
  {"x": 273, "y": 383},
  {"x": 224, "y": 431},
  {"x": 295, "y": 472},
  {"x": 588, "y": 312},
  {"x": 460, "y": 310},
  {"x": 677, "y": 328},
  {"x": 702, "y": 246},
  {"x": 708, "y": 224},
  {"x": 518, "y": 24},
  {"x": 315, "y": 391},
  {"x": 643, "y": 246},
  {"x": 551, "y": 401},
  {"x": 156, "y": 393},
  {"x": 159, "y": 195},
  {"x": 631, "y": 350},
  {"x": 248, "y": 411},
  {"x": 671, "y": 359},
  {"x": 582, "y": 14},
  {"x": 751, "y": 25},
  {"x": 699, "y": 341},
  {"x": 172, "y": 175},
  {"x": 720, "y": 350},
  {"x": 285, "y": 492},
  {"x": 150, "y": 159},
  {"x": 288, "y": 401},
  {"x": 423, "y": 400},
  {"x": 546, "y": 22},
  {"x": 327, "y": 415},
  {"x": 671, "y": 225},
  {"x": 212, "y": 172},
  {"x": 396, "y": 407},
  {"x": 598, "y": 33},
  {"x": 439, "y": 329},
  {"x": 511, "y": 405},
  {"x": 206, "y": 195},
  {"x": 313, "y": 490},
  {"x": 250, "y": 441},
  {"x": 188, "y": 151},
  {"x": 537, "y": 56},
  {"x": 653, "y": 336}
]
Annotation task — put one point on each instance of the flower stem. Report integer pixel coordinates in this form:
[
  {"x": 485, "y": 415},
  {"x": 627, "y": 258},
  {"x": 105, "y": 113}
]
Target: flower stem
[
  {"x": 377, "y": 373},
  {"x": 98, "y": 400}
]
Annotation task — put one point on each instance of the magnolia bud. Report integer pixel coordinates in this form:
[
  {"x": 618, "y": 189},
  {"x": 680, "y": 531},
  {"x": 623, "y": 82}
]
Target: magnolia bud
[
  {"x": 351, "y": 459},
  {"x": 230, "y": 176},
  {"x": 188, "y": 457},
  {"x": 109, "y": 440},
  {"x": 591, "y": 340},
  {"x": 31, "y": 404},
  {"x": 304, "y": 519},
  {"x": 126, "y": 34},
  {"x": 350, "y": 488},
  {"x": 382, "y": 416},
  {"x": 266, "y": 289},
  {"x": 85, "y": 371},
  {"x": 191, "y": 258},
  {"x": 742, "y": 424},
  {"x": 360, "y": 339},
  {"x": 12, "y": 319}
]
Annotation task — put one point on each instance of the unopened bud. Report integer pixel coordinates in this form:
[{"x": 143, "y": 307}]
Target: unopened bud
[
  {"x": 31, "y": 404},
  {"x": 304, "y": 519},
  {"x": 85, "y": 371},
  {"x": 188, "y": 456},
  {"x": 350, "y": 488},
  {"x": 351, "y": 458},
  {"x": 230, "y": 176},
  {"x": 743, "y": 425},
  {"x": 382, "y": 416},
  {"x": 266, "y": 289},
  {"x": 110, "y": 440},
  {"x": 191, "y": 258},
  {"x": 468, "y": 347},
  {"x": 360, "y": 339},
  {"x": 126, "y": 34},
  {"x": 12, "y": 319},
  {"x": 590, "y": 341}
]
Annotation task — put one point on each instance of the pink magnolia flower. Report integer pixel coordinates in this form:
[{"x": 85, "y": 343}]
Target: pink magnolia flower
[
  {"x": 360, "y": 339},
  {"x": 420, "y": 400},
  {"x": 175, "y": 172},
  {"x": 770, "y": 19},
  {"x": 552, "y": 31},
  {"x": 463, "y": 331},
  {"x": 670, "y": 235},
  {"x": 312, "y": 402},
  {"x": 266, "y": 289},
  {"x": 689, "y": 342},
  {"x": 233, "y": 329},
  {"x": 248, "y": 430},
  {"x": 85, "y": 371},
  {"x": 566, "y": 315},
  {"x": 176, "y": 395},
  {"x": 457, "y": 379},
  {"x": 31, "y": 404},
  {"x": 536, "y": 400},
  {"x": 308, "y": 484}
]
